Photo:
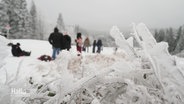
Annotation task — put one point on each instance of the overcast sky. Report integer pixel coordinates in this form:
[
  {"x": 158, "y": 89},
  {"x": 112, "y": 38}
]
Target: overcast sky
[{"x": 102, "y": 14}]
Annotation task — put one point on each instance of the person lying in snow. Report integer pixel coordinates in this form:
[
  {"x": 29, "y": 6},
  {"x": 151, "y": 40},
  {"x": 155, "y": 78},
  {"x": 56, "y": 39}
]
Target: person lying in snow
[{"x": 17, "y": 51}]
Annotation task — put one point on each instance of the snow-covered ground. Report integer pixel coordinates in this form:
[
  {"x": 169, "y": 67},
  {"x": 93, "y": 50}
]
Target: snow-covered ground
[{"x": 133, "y": 75}]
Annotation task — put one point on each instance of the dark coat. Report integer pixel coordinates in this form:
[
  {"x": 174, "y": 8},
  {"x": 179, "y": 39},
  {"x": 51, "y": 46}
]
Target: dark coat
[
  {"x": 68, "y": 39},
  {"x": 17, "y": 51},
  {"x": 99, "y": 43},
  {"x": 66, "y": 42},
  {"x": 94, "y": 45},
  {"x": 55, "y": 39},
  {"x": 14, "y": 50}
]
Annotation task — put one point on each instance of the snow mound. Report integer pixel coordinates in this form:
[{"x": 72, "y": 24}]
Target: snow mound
[
  {"x": 4, "y": 89},
  {"x": 3, "y": 49}
]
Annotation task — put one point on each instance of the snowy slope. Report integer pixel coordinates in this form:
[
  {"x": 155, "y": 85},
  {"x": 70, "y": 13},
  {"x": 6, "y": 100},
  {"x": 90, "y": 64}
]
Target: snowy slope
[
  {"x": 3, "y": 49},
  {"x": 4, "y": 92},
  {"x": 148, "y": 75}
]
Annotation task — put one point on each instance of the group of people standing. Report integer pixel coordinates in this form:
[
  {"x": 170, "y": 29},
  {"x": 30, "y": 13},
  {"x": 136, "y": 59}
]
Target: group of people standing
[
  {"x": 60, "y": 42},
  {"x": 97, "y": 44},
  {"x": 87, "y": 44}
]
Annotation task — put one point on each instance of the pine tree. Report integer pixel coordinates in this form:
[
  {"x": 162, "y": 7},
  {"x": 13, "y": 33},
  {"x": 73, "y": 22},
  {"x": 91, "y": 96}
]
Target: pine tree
[
  {"x": 156, "y": 35},
  {"x": 179, "y": 40},
  {"x": 3, "y": 18},
  {"x": 179, "y": 32},
  {"x": 41, "y": 27},
  {"x": 60, "y": 23},
  {"x": 170, "y": 39},
  {"x": 18, "y": 18},
  {"x": 34, "y": 21},
  {"x": 161, "y": 35}
]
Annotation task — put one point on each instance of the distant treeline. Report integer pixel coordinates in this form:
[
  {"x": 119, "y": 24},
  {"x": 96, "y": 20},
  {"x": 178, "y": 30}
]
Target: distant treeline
[{"x": 174, "y": 37}]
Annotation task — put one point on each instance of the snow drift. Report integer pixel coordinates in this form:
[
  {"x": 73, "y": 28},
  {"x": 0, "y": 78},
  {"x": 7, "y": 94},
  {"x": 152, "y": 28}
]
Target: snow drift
[{"x": 3, "y": 49}]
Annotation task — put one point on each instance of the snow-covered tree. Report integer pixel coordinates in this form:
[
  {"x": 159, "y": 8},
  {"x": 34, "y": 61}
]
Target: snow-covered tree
[
  {"x": 156, "y": 34},
  {"x": 170, "y": 39},
  {"x": 3, "y": 17},
  {"x": 19, "y": 18},
  {"x": 41, "y": 27},
  {"x": 161, "y": 36},
  {"x": 179, "y": 40},
  {"x": 179, "y": 32},
  {"x": 60, "y": 23},
  {"x": 34, "y": 21},
  {"x": 173, "y": 37}
]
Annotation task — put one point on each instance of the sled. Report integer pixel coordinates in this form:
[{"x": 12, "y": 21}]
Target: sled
[{"x": 45, "y": 58}]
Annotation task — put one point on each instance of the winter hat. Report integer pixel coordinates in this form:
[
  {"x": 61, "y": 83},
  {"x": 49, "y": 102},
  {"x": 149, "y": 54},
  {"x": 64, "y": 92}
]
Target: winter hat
[
  {"x": 18, "y": 44},
  {"x": 79, "y": 35},
  {"x": 56, "y": 29}
]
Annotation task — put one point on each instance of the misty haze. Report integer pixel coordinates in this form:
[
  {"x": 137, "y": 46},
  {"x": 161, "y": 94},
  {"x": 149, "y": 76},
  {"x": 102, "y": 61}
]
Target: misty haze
[
  {"x": 91, "y": 52},
  {"x": 103, "y": 14}
]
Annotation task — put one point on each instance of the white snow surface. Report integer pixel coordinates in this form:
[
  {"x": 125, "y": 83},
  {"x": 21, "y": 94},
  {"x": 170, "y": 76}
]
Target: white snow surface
[
  {"x": 130, "y": 41},
  {"x": 145, "y": 35},
  {"x": 3, "y": 49},
  {"x": 148, "y": 75}
]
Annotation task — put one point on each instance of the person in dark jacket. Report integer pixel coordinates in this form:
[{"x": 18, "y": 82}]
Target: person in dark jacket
[
  {"x": 94, "y": 46},
  {"x": 67, "y": 41},
  {"x": 55, "y": 39},
  {"x": 99, "y": 45},
  {"x": 17, "y": 51}
]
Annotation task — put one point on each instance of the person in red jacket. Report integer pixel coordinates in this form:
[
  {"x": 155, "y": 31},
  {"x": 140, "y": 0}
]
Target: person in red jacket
[{"x": 79, "y": 43}]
